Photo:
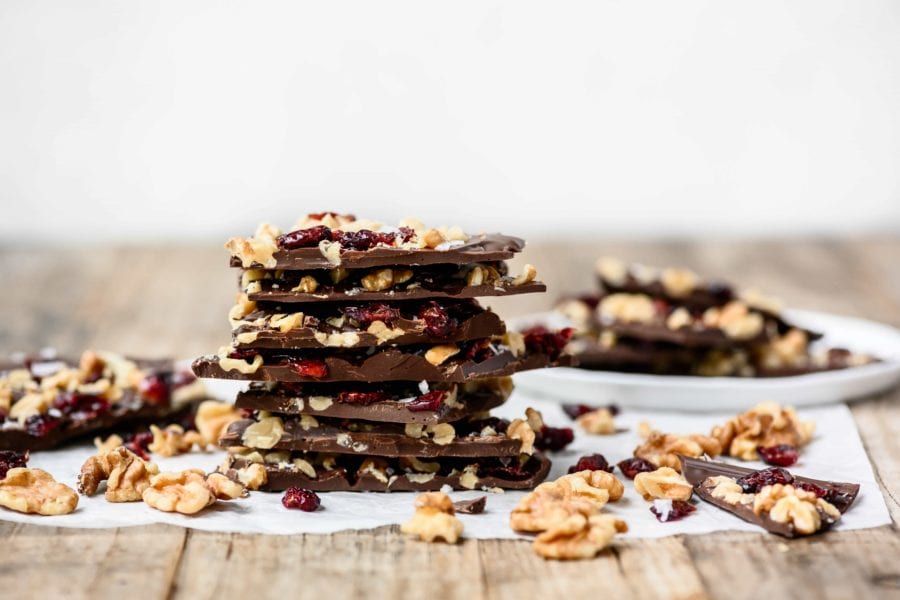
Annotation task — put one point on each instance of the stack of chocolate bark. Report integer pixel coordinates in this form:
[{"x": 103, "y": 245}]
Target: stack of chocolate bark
[
  {"x": 372, "y": 367},
  {"x": 670, "y": 321}
]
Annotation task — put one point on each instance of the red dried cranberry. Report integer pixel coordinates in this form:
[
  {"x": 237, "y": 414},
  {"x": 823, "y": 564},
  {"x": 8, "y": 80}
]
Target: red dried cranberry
[
  {"x": 819, "y": 491},
  {"x": 680, "y": 509},
  {"x": 139, "y": 443},
  {"x": 12, "y": 459},
  {"x": 154, "y": 390},
  {"x": 304, "y": 238},
  {"x": 305, "y": 500},
  {"x": 40, "y": 425},
  {"x": 406, "y": 234},
  {"x": 634, "y": 465},
  {"x": 782, "y": 455},
  {"x": 182, "y": 378},
  {"x": 553, "y": 439},
  {"x": 576, "y": 410},
  {"x": 479, "y": 351},
  {"x": 428, "y": 401},
  {"x": 540, "y": 340},
  {"x": 592, "y": 462},
  {"x": 377, "y": 311},
  {"x": 438, "y": 323},
  {"x": 309, "y": 367},
  {"x": 362, "y": 239},
  {"x": 661, "y": 306},
  {"x": 755, "y": 481},
  {"x": 247, "y": 413},
  {"x": 504, "y": 468},
  {"x": 80, "y": 407},
  {"x": 362, "y": 398},
  {"x": 243, "y": 353}
]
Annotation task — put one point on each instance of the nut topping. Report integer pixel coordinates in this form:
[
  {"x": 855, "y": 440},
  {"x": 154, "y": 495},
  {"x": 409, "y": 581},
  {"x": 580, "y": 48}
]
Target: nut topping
[
  {"x": 663, "y": 484},
  {"x": 434, "y": 519}
]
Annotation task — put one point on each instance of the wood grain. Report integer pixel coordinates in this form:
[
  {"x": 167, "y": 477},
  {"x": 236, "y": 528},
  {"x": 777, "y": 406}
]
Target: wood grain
[{"x": 174, "y": 300}]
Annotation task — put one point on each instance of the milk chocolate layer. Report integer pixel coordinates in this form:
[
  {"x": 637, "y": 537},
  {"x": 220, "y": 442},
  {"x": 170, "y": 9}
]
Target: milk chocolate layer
[
  {"x": 345, "y": 476},
  {"x": 393, "y": 409},
  {"x": 405, "y": 326},
  {"x": 697, "y": 472},
  {"x": 389, "y": 364},
  {"x": 479, "y": 248},
  {"x": 379, "y": 439}
]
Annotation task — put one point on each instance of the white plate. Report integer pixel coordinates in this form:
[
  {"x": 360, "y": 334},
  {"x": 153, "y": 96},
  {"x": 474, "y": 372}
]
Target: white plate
[{"x": 688, "y": 393}]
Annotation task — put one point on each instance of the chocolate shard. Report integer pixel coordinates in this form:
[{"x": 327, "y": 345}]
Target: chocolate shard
[
  {"x": 390, "y": 364},
  {"x": 335, "y": 328},
  {"x": 686, "y": 337},
  {"x": 479, "y": 248},
  {"x": 377, "y": 474},
  {"x": 465, "y": 439},
  {"x": 392, "y": 405},
  {"x": 471, "y": 507},
  {"x": 698, "y": 473},
  {"x": 459, "y": 290}
]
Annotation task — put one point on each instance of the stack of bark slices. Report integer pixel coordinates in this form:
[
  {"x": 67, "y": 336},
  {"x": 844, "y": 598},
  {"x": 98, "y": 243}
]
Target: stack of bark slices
[
  {"x": 670, "y": 321},
  {"x": 371, "y": 365}
]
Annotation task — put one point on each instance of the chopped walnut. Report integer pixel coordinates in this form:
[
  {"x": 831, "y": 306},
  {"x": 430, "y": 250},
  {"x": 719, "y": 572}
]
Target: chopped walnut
[
  {"x": 729, "y": 490},
  {"x": 34, "y": 491},
  {"x": 784, "y": 351},
  {"x": 612, "y": 270},
  {"x": 766, "y": 424},
  {"x": 379, "y": 280},
  {"x": 438, "y": 355},
  {"x": 678, "y": 283},
  {"x": 110, "y": 443},
  {"x": 213, "y": 419},
  {"x": 185, "y": 492},
  {"x": 680, "y": 317},
  {"x": 258, "y": 249},
  {"x": 578, "y": 537},
  {"x": 442, "y": 433},
  {"x": 628, "y": 308},
  {"x": 583, "y": 493},
  {"x": 735, "y": 320},
  {"x": 529, "y": 272},
  {"x": 264, "y": 434},
  {"x": 522, "y": 431},
  {"x": 253, "y": 477},
  {"x": 662, "y": 449},
  {"x": 224, "y": 488},
  {"x": 306, "y": 285},
  {"x": 482, "y": 275},
  {"x": 663, "y": 484},
  {"x": 598, "y": 422},
  {"x": 432, "y": 238},
  {"x": 799, "y": 508},
  {"x": 434, "y": 519},
  {"x": 126, "y": 474},
  {"x": 173, "y": 440}
]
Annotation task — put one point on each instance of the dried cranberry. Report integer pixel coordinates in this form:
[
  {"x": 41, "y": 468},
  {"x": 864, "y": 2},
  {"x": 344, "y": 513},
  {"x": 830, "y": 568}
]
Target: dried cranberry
[
  {"x": 576, "y": 410},
  {"x": 304, "y": 238},
  {"x": 428, "y": 401},
  {"x": 305, "y": 500},
  {"x": 553, "y": 438},
  {"x": 247, "y": 413},
  {"x": 377, "y": 311},
  {"x": 592, "y": 462},
  {"x": 479, "y": 351},
  {"x": 819, "y": 491},
  {"x": 540, "y": 340},
  {"x": 11, "y": 459},
  {"x": 755, "y": 481},
  {"x": 679, "y": 510},
  {"x": 504, "y": 468},
  {"x": 139, "y": 443},
  {"x": 80, "y": 407},
  {"x": 782, "y": 455},
  {"x": 154, "y": 390},
  {"x": 309, "y": 367},
  {"x": 182, "y": 378},
  {"x": 634, "y": 465},
  {"x": 243, "y": 353},
  {"x": 362, "y": 398},
  {"x": 406, "y": 234},
  {"x": 661, "y": 306},
  {"x": 40, "y": 425},
  {"x": 362, "y": 239},
  {"x": 438, "y": 323}
]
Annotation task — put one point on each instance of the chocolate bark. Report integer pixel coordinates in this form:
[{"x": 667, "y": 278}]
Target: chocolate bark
[
  {"x": 393, "y": 409},
  {"x": 379, "y": 439},
  {"x": 698, "y": 472},
  {"x": 345, "y": 477},
  {"x": 479, "y": 248},
  {"x": 454, "y": 290}
]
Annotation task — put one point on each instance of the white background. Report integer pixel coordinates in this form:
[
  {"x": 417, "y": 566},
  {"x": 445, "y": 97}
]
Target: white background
[{"x": 145, "y": 120}]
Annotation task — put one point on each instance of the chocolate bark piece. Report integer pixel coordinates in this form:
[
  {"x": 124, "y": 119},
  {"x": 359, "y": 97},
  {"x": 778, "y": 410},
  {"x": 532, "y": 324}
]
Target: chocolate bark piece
[
  {"x": 698, "y": 473},
  {"x": 392, "y": 403},
  {"x": 631, "y": 356},
  {"x": 471, "y": 507},
  {"x": 832, "y": 360},
  {"x": 455, "y": 290},
  {"x": 705, "y": 295},
  {"x": 478, "y": 248},
  {"x": 365, "y": 325},
  {"x": 687, "y": 337},
  {"x": 388, "y": 364},
  {"x": 154, "y": 390},
  {"x": 345, "y": 475},
  {"x": 466, "y": 439}
]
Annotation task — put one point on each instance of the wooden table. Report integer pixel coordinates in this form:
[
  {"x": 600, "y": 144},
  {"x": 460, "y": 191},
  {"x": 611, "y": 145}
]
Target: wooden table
[{"x": 173, "y": 301}]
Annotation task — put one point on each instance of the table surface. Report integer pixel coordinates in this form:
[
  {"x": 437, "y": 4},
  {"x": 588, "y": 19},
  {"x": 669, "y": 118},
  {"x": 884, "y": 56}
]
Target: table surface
[{"x": 173, "y": 301}]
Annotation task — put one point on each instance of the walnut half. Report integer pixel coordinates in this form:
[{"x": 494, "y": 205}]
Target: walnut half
[
  {"x": 434, "y": 519},
  {"x": 126, "y": 474},
  {"x": 663, "y": 484},
  {"x": 578, "y": 537},
  {"x": 34, "y": 491}
]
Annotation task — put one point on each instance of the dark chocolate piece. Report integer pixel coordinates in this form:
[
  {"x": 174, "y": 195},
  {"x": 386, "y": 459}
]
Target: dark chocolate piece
[
  {"x": 345, "y": 476},
  {"x": 479, "y": 248},
  {"x": 471, "y": 507},
  {"x": 465, "y": 321},
  {"x": 697, "y": 472},
  {"x": 389, "y": 364},
  {"x": 686, "y": 337},
  {"x": 457, "y": 290},
  {"x": 379, "y": 439},
  {"x": 394, "y": 408}
]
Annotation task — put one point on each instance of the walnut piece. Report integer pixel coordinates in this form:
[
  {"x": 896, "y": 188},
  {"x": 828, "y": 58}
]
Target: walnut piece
[
  {"x": 578, "y": 537},
  {"x": 584, "y": 493},
  {"x": 662, "y": 449},
  {"x": 434, "y": 519},
  {"x": 735, "y": 320},
  {"x": 663, "y": 484},
  {"x": 799, "y": 508},
  {"x": 599, "y": 422},
  {"x": 173, "y": 440},
  {"x": 34, "y": 491},
  {"x": 213, "y": 418},
  {"x": 110, "y": 443},
  {"x": 185, "y": 492},
  {"x": 224, "y": 488},
  {"x": 253, "y": 477},
  {"x": 264, "y": 434},
  {"x": 126, "y": 474},
  {"x": 678, "y": 283},
  {"x": 438, "y": 355},
  {"x": 766, "y": 424},
  {"x": 627, "y": 308}
]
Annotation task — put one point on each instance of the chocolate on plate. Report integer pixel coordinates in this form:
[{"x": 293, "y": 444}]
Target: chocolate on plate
[
  {"x": 46, "y": 401},
  {"x": 774, "y": 499}
]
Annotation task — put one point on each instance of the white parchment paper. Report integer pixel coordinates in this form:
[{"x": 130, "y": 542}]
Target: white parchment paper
[{"x": 836, "y": 453}]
